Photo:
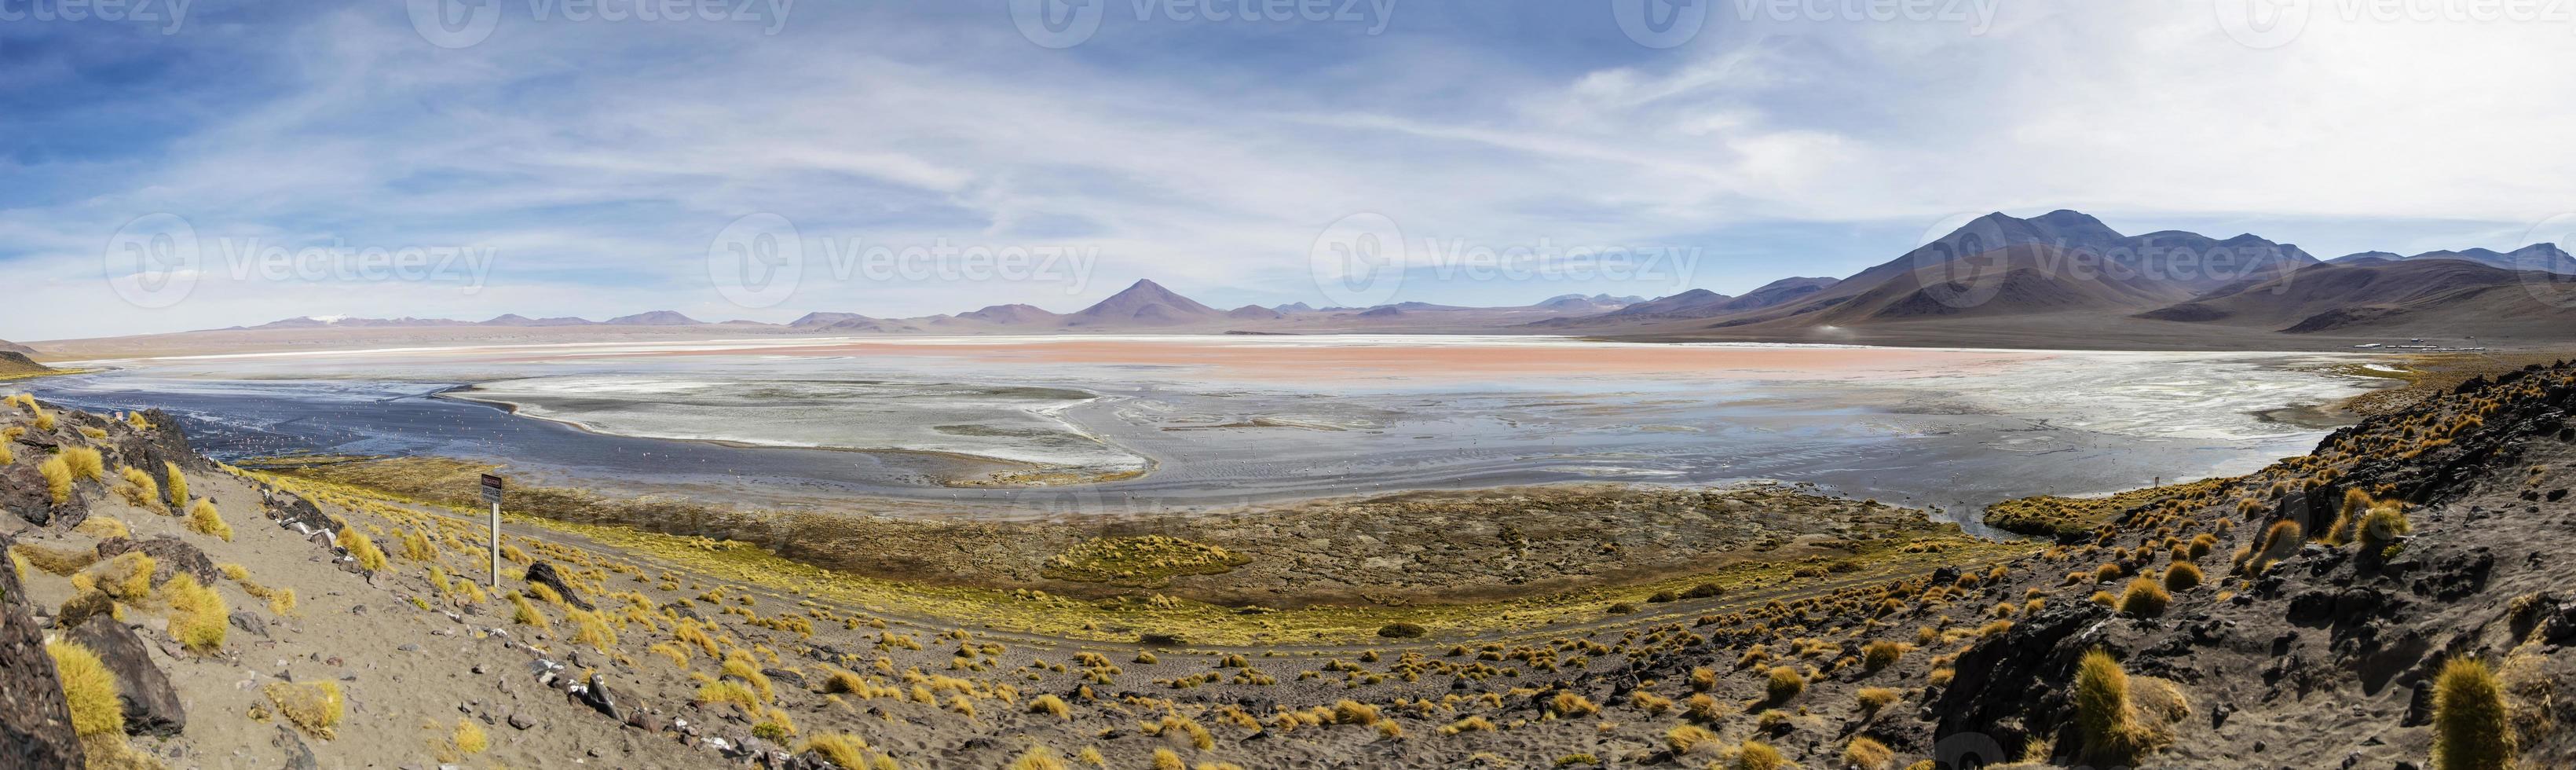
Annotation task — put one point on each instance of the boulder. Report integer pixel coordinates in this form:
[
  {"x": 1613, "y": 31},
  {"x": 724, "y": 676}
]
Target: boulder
[
  {"x": 83, "y": 606},
  {"x": 544, "y": 573},
  {"x": 597, "y": 696},
  {"x": 292, "y": 511},
  {"x": 152, "y": 706},
  {"x": 170, "y": 556},
  {"x": 22, "y": 493},
  {"x": 35, "y": 722}
]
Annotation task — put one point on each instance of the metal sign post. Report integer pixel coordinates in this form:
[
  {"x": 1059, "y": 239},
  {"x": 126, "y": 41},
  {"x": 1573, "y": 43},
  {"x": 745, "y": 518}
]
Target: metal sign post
[{"x": 492, "y": 494}]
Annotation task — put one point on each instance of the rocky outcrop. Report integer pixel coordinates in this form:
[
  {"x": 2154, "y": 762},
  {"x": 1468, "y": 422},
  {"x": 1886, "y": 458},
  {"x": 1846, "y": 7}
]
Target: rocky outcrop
[
  {"x": 35, "y": 722},
  {"x": 165, "y": 442},
  {"x": 542, "y": 573},
  {"x": 22, "y": 493},
  {"x": 152, "y": 706},
  {"x": 2011, "y": 689},
  {"x": 170, "y": 556}
]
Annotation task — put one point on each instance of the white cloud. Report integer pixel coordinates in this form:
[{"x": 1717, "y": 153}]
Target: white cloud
[{"x": 599, "y": 163}]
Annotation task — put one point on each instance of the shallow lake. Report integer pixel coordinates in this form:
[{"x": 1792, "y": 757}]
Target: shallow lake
[{"x": 1144, "y": 422}]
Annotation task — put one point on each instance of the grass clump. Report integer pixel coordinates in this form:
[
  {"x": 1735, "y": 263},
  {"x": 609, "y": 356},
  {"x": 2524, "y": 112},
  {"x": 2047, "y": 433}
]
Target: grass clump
[
  {"x": 2379, "y": 529},
  {"x": 2183, "y": 576},
  {"x": 58, "y": 561},
  {"x": 1784, "y": 683},
  {"x": 1051, "y": 705},
  {"x": 362, "y": 548},
  {"x": 84, "y": 463},
  {"x": 1881, "y": 654},
  {"x": 469, "y": 737},
  {"x": 2281, "y": 540},
  {"x": 140, "y": 491},
  {"x": 2145, "y": 598},
  {"x": 2106, "y": 718},
  {"x": 1567, "y": 704},
  {"x": 2471, "y": 725},
  {"x": 525, "y": 614},
  {"x": 1756, "y": 755},
  {"x": 89, "y": 687},
  {"x": 177, "y": 486},
  {"x": 58, "y": 479},
  {"x": 314, "y": 707},
  {"x": 844, "y": 749},
  {"x": 1874, "y": 699},
  {"x": 103, "y": 527},
  {"x": 126, "y": 578},
  {"x": 198, "y": 617},
  {"x": 1868, "y": 754},
  {"x": 203, "y": 519}
]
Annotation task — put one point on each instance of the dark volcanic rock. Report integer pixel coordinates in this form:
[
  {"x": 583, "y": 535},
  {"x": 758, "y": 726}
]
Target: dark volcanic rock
[
  {"x": 170, "y": 556},
  {"x": 165, "y": 442},
  {"x": 80, "y": 608},
  {"x": 152, "y": 706},
  {"x": 35, "y": 723},
  {"x": 598, "y": 697},
  {"x": 544, "y": 573},
  {"x": 290, "y": 511},
  {"x": 2001, "y": 682},
  {"x": 22, "y": 492}
]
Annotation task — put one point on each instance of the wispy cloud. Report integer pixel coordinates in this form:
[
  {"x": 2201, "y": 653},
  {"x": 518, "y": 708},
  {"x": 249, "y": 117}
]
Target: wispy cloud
[{"x": 598, "y": 160}]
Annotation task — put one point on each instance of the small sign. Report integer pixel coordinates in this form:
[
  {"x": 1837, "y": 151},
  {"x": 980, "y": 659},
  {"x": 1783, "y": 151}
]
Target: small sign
[{"x": 491, "y": 489}]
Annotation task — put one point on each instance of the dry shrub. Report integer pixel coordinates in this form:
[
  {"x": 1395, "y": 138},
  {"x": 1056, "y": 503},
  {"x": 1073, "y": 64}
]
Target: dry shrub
[
  {"x": 198, "y": 617},
  {"x": 314, "y": 707},
  {"x": 90, "y": 688},
  {"x": 205, "y": 520},
  {"x": 2472, "y": 730}
]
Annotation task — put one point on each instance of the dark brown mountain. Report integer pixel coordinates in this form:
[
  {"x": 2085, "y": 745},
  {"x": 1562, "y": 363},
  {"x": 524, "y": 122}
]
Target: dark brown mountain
[
  {"x": 2541, "y": 257},
  {"x": 1144, "y": 304},
  {"x": 2412, "y": 297}
]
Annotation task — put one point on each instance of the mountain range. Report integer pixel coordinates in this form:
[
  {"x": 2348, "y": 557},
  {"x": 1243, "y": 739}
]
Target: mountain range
[{"x": 2058, "y": 279}]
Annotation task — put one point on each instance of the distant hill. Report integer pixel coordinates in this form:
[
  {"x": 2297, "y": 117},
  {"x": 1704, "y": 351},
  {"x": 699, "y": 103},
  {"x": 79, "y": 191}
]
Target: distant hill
[
  {"x": 1012, "y": 315},
  {"x": 1145, "y": 303},
  {"x": 654, "y": 318},
  {"x": 16, "y": 364},
  {"x": 1255, "y": 313},
  {"x": 12, "y": 347},
  {"x": 2542, "y": 257},
  {"x": 1997, "y": 265},
  {"x": 2410, "y": 297},
  {"x": 514, "y": 319}
]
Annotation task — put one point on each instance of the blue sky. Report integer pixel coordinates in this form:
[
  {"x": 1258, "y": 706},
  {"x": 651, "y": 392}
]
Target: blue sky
[{"x": 576, "y": 165}]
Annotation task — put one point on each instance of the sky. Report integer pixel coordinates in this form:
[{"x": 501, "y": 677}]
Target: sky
[{"x": 170, "y": 165}]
